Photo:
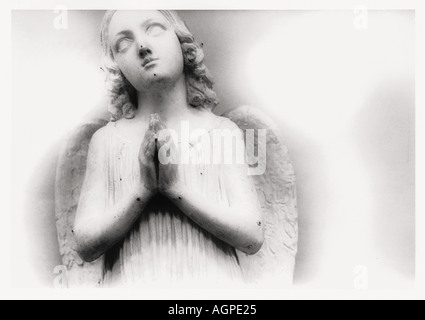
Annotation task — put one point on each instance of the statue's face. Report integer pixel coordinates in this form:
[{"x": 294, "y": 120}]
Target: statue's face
[{"x": 137, "y": 37}]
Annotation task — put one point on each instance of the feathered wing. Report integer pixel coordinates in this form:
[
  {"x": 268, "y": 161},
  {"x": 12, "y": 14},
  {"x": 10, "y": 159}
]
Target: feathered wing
[
  {"x": 276, "y": 188},
  {"x": 70, "y": 173}
]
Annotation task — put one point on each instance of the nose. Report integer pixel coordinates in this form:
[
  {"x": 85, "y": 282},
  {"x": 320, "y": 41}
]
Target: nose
[{"x": 144, "y": 51}]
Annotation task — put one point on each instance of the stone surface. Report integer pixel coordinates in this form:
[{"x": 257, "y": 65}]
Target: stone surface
[
  {"x": 276, "y": 189},
  {"x": 69, "y": 179}
]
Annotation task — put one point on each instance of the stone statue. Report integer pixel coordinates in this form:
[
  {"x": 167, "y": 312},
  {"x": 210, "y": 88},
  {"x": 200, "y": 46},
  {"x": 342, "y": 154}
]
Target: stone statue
[{"x": 127, "y": 217}]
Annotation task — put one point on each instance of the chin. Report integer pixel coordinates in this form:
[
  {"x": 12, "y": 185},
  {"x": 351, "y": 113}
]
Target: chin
[{"x": 157, "y": 78}]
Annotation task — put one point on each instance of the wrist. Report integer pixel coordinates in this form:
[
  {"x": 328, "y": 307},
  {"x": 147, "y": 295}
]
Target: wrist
[
  {"x": 144, "y": 193},
  {"x": 173, "y": 191}
]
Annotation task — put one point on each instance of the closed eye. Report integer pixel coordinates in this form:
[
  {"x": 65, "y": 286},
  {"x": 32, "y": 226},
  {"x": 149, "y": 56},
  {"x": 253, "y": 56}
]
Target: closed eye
[
  {"x": 122, "y": 44},
  {"x": 155, "y": 29}
]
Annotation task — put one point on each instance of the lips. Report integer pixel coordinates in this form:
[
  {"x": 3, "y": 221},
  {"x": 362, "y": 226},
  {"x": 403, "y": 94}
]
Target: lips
[{"x": 148, "y": 60}]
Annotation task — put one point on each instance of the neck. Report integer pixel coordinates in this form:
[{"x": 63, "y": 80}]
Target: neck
[{"x": 169, "y": 101}]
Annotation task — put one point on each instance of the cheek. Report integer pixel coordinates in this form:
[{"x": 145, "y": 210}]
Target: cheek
[
  {"x": 127, "y": 66},
  {"x": 174, "y": 51}
]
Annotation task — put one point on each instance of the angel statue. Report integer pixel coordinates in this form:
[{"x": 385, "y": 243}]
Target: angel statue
[{"x": 131, "y": 212}]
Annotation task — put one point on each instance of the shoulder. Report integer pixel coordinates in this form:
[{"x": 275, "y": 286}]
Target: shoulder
[
  {"x": 206, "y": 119},
  {"x": 99, "y": 135},
  {"x": 98, "y": 139},
  {"x": 225, "y": 127},
  {"x": 225, "y": 123}
]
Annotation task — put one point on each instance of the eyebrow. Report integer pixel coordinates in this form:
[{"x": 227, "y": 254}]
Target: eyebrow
[{"x": 128, "y": 32}]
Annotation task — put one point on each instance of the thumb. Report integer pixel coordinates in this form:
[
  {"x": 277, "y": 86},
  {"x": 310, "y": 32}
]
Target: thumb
[{"x": 147, "y": 149}]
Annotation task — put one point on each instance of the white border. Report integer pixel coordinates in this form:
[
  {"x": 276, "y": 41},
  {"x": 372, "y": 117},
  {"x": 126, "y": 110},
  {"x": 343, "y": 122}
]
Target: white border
[
  {"x": 7, "y": 293},
  {"x": 217, "y": 4}
]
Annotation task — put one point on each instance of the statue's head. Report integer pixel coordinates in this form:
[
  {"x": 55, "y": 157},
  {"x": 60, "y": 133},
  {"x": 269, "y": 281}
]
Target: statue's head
[{"x": 142, "y": 49}]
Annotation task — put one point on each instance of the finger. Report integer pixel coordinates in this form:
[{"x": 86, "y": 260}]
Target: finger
[
  {"x": 167, "y": 140},
  {"x": 150, "y": 133},
  {"x": 160, "y": 125},
  {"x": 174, "y": 151},
  {"x": 153, "y": 120},
  {"x": 148, "y": 145},
  {"x": 150, "y": 148},
  {"x": 149, "y": 137},
  {"x": 168, "y": 149}
]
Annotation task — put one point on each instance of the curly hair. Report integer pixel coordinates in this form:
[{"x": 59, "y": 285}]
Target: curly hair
[{"x": 123, "y": 96}]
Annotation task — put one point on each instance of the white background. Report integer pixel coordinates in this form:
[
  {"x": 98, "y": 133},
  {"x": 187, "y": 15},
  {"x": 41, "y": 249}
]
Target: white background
[{"x": 343, "y": 97}]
